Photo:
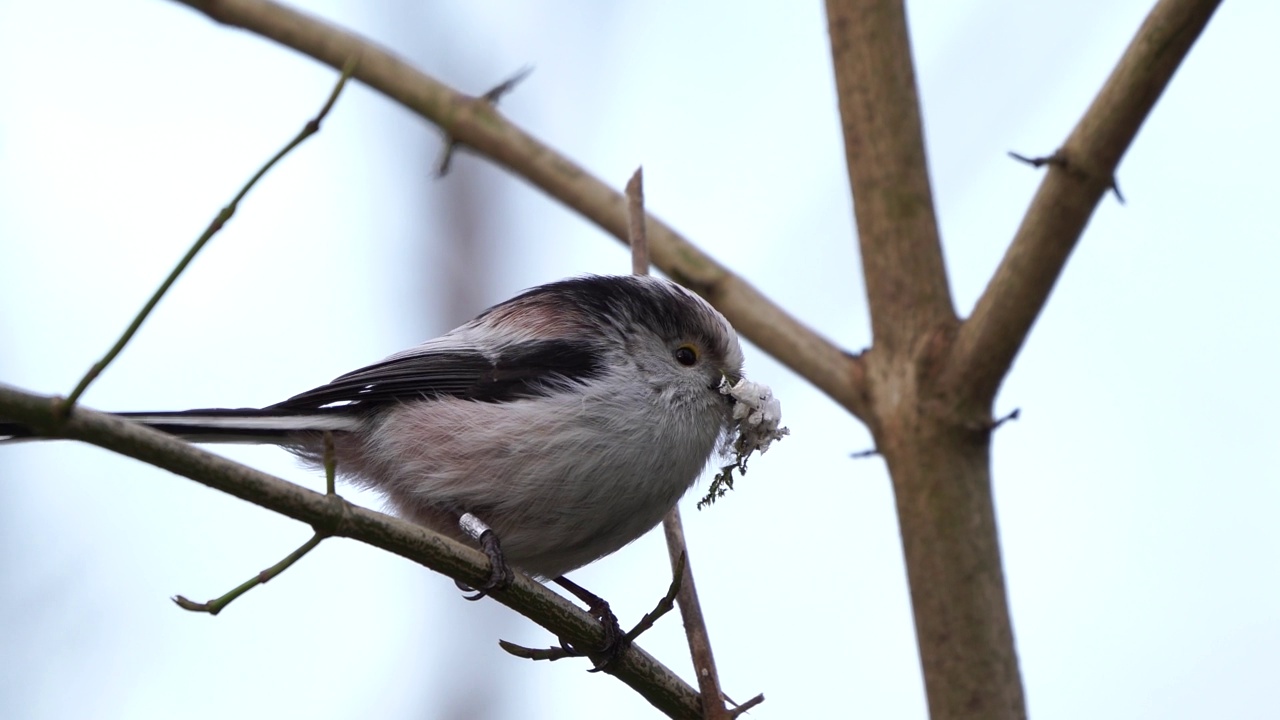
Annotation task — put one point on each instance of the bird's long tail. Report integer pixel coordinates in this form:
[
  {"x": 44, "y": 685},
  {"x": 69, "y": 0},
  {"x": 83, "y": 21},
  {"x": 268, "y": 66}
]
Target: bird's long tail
[{"x": 267, "y": 426}]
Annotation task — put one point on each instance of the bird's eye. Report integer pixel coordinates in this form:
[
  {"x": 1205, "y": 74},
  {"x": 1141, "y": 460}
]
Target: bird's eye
[{"x": 687, "y": 355}]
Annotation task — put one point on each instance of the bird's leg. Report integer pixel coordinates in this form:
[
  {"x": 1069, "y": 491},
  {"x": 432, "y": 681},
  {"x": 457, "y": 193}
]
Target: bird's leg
[
  {"x": 616, "y": 642},
  {"x": 500, "y": 575}
]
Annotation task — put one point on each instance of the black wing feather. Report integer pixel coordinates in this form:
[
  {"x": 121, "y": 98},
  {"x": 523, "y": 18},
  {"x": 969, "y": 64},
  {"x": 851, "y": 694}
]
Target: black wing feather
[{"x": 523, "y": 371}]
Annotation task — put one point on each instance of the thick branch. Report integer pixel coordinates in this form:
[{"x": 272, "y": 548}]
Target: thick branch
[
  {"x": 476, "y": 124},
  {"x": 884, "y": 147},
  {"x": 940, "y": 469},
  {"x": 332, "y": 515},
  {"x": 1079, "y": 175}
]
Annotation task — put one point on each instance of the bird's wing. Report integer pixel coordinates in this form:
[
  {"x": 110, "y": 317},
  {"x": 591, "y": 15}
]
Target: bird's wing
[{"x": 527, "y": 369}]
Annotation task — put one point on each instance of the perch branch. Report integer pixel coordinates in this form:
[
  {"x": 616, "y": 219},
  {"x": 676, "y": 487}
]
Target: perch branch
[{"x": 334, "y": 516}]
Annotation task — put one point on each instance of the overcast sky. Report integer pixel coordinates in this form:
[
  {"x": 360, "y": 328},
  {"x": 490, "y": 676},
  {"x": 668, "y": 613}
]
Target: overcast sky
[{"x": 1137, "y": 495}]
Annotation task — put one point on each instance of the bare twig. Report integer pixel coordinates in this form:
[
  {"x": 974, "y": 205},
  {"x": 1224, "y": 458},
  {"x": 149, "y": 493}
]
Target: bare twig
[
  {"x": 695, "y": 626},
  {"x": 335, "y": 516},
  {"x": 492, "y": 96},
  {"x": 330, "y": 465},
  {"x": 637, "y": 238},
  {"x": 215, "y": 606},
  {"x": 995, "y": 424},
  {"x": 476, "y": 124},
  {"x": 747, "y": 705},
  {"x": 1038, "y": 162},
  {"x": 1057, "y": 158},
  {"x": 311, "y": 128}
]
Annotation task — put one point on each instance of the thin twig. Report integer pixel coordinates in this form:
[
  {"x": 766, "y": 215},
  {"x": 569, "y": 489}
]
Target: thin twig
[
  {"x": 1058, "y": 159},
  {"x": 746, "y": 706},
  {"x": 215, "y": 606},
  {"x": 995, "y": 424},
  {"x": 491, "y": 96},
  {"x": 311, "y": 128},
  {"x": 330, "y": 464},
  {"x": 1039, "y": 162},
  {"x": 695, "y": 627},
  {"x": 637, "y": 238}
]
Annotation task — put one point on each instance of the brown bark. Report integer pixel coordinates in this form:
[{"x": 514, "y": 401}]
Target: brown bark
[{"x": 930, "y": 380}]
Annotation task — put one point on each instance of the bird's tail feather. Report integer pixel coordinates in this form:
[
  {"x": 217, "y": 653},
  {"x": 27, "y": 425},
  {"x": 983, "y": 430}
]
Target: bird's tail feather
[{"x": 217, "y": 425}]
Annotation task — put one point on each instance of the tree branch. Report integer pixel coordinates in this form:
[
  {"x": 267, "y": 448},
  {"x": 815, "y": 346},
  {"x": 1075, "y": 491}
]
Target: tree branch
[
  {"x": 1082, "y": 172},
  {"x": 932, "y": 380},
  {"x": 331, "y": 515},
  {"x": 906, "y": 278},
  {"x": 475, "y": 123},
  {"x": 695, "y": 625},
  {"x": 940, "y": 469}
]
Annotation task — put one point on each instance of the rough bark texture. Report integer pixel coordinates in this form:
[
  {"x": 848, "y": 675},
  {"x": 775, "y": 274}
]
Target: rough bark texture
[
  {"x": 930, "y": 379},
  {"x": 937, "y": 453}
]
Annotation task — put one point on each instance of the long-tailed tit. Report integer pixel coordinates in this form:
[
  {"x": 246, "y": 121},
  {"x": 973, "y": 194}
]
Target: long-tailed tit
[{"x": 552, "y": 430}]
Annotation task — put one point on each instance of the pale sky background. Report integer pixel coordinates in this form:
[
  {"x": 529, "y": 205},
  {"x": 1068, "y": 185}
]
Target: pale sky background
[{"x": 1137, "y": 495}]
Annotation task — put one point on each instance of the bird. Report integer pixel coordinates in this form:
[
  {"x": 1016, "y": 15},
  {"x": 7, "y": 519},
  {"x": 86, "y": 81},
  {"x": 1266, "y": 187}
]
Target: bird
[{"x": 551, "y": 430}]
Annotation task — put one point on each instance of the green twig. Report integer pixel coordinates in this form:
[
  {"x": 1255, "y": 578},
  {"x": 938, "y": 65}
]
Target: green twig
[
  {"x": 330, "y": 464},
  {"x": 213, "y": 607},
  {"x": 311, "y": 128}
]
